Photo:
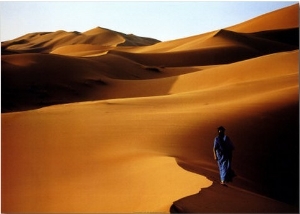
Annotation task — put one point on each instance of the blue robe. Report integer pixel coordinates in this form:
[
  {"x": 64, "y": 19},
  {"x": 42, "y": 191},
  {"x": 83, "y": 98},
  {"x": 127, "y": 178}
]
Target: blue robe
[{"x": 223, "y": 148}]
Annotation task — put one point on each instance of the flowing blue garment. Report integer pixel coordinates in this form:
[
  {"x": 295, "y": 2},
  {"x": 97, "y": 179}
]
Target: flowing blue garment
[{"x": 223, "y": 147}]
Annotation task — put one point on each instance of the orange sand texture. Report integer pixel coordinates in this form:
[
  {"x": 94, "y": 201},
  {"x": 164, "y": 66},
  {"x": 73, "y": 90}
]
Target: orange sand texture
[{"x": 102, "y": 121}]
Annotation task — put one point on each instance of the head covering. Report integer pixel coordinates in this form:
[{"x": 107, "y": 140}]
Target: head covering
[{"x": 221, "y": 128}]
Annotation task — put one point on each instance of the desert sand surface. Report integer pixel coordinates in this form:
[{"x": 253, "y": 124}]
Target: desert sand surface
[{"x": 104, "y": 122}]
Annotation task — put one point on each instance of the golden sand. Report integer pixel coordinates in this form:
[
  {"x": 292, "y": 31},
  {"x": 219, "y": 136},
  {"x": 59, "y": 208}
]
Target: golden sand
[{"x": 92, "y": 124}]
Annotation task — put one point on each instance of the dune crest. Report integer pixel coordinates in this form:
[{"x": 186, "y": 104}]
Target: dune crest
[
  {"x": 103, "y": 121},
  {"x": 284, "y": 18},
  {"x": 47, "y": 42}
]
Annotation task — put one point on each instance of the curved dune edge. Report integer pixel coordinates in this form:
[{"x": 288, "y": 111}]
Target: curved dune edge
[
  {"x": 220, "y": 199},
  {"x": 76, "y": 171},
  {"x": 86, "y": 50}
]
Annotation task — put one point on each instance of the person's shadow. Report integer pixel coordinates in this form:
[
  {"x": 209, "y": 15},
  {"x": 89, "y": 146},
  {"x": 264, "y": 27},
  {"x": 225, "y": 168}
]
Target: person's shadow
[{"x": 230, "y": 176}]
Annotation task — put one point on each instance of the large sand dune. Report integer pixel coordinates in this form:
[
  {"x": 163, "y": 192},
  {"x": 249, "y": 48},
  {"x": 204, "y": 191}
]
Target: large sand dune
[{"x": 102, "y": 122}]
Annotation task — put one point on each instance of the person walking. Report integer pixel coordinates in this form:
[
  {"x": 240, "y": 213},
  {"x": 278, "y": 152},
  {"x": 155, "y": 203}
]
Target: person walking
[{"x": 222, "y": 151}]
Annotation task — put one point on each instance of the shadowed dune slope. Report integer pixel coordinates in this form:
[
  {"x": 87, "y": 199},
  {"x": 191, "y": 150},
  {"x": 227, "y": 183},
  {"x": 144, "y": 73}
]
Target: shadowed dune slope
[
  {"x": 101, "y": 121},
  {"x": 68, "y": 79}
]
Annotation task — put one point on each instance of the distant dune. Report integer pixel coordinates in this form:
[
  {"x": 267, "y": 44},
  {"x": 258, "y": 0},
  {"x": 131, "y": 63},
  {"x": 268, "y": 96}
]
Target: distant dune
[{"x": 102, "y": 121}]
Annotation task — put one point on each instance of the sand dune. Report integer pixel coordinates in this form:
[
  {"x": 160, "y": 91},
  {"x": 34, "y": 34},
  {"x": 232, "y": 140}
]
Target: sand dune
[
  {"x": 46, "y": 42},
  {"x": 82, "y": 50},
  {"x": 280, "y": 19},
  {"x": 101, "y": 121}
]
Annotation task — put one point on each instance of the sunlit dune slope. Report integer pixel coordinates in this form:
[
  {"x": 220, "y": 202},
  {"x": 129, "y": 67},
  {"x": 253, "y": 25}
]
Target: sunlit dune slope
[
  {"x": 81, "y": 147},
  {"x": 221, "y": 48},
  {"x": 86, "y": 50},
  {"x": 284, "y": 18}
]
